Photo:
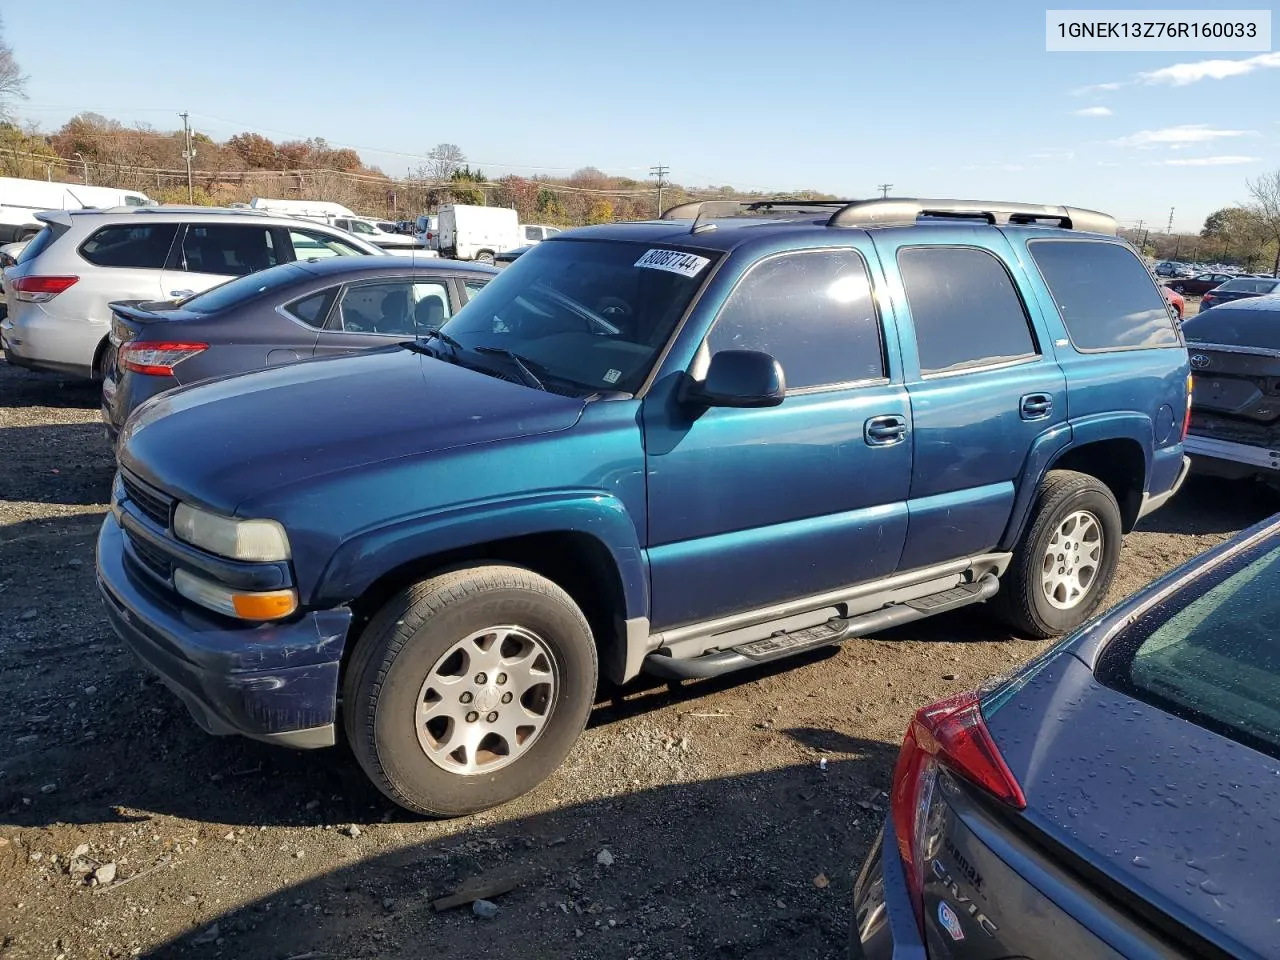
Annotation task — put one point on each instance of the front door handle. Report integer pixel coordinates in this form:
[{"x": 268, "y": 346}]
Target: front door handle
[
  {"x": 1036, "y": 406},
  {"x": 885, "y": 431}
]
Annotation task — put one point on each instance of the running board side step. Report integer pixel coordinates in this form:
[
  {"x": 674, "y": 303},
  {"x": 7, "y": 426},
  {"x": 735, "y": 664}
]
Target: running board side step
[{"x": 823, "y": 635}]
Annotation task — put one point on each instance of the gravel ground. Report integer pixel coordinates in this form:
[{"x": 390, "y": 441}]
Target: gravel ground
[{"x": 691, "y": 821}]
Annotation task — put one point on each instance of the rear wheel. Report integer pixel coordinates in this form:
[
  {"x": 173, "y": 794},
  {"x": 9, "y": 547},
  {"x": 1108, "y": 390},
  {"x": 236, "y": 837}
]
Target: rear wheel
[
  {"x": 1178, "y": 289},
  {"x": 1066, "y": 560},
  {"x": 469, "y": 689},
  {"x": 484, "y": 256}
]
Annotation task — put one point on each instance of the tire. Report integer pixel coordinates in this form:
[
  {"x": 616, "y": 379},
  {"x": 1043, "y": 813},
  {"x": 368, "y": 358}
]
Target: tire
[
  {"x": 28, "y": 235},
  {"x": 1026, "y": 601},
  {"x": 1178, "y": 289},
  {"x": 484, "y": 256},
  {"x": 411, "y": 647}
]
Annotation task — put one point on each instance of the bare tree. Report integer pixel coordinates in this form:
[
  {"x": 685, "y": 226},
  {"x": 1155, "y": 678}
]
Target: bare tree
[
  {"x": 443, "y": 161},
  {"x": 1265, "y": 206},
  {"x": 13, "y": 85}
]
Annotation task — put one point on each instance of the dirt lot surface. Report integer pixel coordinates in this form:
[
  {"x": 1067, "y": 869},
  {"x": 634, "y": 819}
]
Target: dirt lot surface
[{"x": 689, "y": 822}]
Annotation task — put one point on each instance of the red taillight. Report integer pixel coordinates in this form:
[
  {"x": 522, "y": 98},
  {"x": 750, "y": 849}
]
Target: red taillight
[
  {"x": 157, "y": 359},
  {"x": 952, "y": 733},
  {"x": 41, "y": 289},
  {"x": 1186, "y": 421}
]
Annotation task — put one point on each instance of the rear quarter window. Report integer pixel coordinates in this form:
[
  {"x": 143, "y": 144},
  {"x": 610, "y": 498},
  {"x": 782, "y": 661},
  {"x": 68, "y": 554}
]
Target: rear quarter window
[
  {"x": 1104, "y": 294},
  {"x": 130, "y": 245}
]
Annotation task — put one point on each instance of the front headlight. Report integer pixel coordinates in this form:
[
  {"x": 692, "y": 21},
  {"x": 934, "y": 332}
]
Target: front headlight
[{"x": 261, "y": 540}]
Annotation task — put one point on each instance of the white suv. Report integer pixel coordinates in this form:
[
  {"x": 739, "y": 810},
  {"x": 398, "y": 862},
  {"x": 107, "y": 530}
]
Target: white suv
[{"x": 57, "y": 292}]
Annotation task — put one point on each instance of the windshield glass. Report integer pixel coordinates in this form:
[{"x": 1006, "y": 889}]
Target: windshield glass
[
  {"x": 593, "y": 313},
  {"x": 1212, "y": 654},
  {"x": 1248, "y": 286},
  {"x": 237, "y": 291}
]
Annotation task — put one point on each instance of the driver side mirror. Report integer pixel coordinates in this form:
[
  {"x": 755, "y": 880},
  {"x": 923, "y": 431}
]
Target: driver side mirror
[{"x": 738, "y": 378}]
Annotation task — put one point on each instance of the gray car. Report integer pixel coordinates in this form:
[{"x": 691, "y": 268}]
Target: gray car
[
  {"x": 315, "y": 308},
  {"x": 57, "y": 292}
]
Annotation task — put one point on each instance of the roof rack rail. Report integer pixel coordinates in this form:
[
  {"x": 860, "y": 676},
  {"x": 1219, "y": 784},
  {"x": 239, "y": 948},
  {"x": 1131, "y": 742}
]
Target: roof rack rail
[
  {"x": 903, "y": 211},
  {"x": 896, "y": 212}
]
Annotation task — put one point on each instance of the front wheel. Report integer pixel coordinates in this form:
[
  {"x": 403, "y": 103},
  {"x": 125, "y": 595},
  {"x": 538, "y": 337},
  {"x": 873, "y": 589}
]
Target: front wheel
[
  {"x": 469, "y": 689},
  {"x": 1064, "y": 564},
  {"x": 1178, "y": 289}
]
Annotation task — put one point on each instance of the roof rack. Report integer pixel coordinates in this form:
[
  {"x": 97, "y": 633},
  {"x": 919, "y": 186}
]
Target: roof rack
[{"x": 903, "y": 212}]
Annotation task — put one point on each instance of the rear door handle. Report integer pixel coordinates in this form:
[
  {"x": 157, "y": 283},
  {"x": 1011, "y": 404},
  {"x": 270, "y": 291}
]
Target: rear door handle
[
  {"x": 885, "y": 431},
  {"x": 1036, "y": 406}
]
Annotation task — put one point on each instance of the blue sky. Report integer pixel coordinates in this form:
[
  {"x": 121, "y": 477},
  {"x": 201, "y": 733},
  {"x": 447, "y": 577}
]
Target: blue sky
[{"x": 939, "y": 99}]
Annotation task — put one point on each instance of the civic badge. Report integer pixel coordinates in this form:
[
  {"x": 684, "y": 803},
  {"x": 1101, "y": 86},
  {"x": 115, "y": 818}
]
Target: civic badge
[
  {"x": 1200, "y": 360},
  {"x": 950, "y": 922}
]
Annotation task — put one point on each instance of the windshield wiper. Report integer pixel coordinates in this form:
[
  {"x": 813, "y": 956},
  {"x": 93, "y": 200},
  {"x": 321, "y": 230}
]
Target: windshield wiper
[
  {"x": 522, "y": 364},
  {"x": 435, "y": 333}
]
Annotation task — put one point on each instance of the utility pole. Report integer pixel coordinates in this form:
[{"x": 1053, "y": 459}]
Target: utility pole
[
  {"x": 188, "y": 155},
  {"x": 660, "y": 171},
  {"x": 884, "y": 189},
  {"x": 1170, "y": 228}
]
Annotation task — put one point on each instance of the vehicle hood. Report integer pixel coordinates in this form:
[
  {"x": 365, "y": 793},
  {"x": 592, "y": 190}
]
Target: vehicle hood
[
  {"x": 223, "y": 441},
  {"x": 1182, "y": 816}
]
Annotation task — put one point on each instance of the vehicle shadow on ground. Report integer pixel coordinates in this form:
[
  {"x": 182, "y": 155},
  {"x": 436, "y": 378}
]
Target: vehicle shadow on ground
[
  {"x": 1212, "y": 505},
  {"x": 62, "y": 463},
  {"x": 149, "y": 757},
  {"x": 753, "y": 866},
  {"x": 25, "y": 388}
]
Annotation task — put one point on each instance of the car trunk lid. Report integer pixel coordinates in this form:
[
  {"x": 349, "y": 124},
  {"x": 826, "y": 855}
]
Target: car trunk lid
[
  {"x": 1234, "y": 355},
  {"x": 1171, "y": 823}
]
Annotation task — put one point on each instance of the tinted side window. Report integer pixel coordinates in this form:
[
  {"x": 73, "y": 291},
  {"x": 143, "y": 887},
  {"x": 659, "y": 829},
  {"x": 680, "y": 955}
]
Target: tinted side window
[
  {"x": 228, "y": 249},
  {"x": 1104, "y": 293},
  {"x": 385, "y": 307},
  {"x": 965, "y": 308},
  {"x": 532, "y": 233},
  {"x": 812, "y": 311},
  {"x": 127, "y": 245},
  {"x": 313, "y": 309},
  {"x": 430, "y": 305},
  {"x": 474, "y": 287}
]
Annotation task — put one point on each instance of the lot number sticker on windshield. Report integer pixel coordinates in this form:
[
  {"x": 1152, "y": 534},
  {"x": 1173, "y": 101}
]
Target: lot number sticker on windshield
[{"x": 673, "y": 261}]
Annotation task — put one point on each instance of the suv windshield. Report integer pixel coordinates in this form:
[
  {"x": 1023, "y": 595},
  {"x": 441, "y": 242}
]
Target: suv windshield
[
  {"x": 237, "y": 291},
  {"x": 1210, "y": 654},
  {"x": 592, "y": 313}
]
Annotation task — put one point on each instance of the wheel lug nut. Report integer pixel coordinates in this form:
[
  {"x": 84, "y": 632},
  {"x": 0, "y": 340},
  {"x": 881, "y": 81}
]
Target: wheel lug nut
[
  {"x": 502, "y": 678},
  {"x": 506, "y": 698},
  {"x": 466, "y": 697},
  {"x": 493, "y": 717},
  {"x": 481, "y": 678},
  {"x": 472, "y": 717}
]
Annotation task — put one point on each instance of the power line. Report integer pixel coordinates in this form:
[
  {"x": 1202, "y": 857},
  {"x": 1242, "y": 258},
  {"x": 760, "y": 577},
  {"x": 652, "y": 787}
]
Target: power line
[
  {"x": 884, "y": 189},
  {"x": 660, "y": 171}
]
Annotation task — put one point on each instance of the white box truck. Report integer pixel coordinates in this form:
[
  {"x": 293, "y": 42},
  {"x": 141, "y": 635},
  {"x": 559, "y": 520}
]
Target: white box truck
[
  {"x": 22, "y": 199},
  {"x": 478, "y": 233}
]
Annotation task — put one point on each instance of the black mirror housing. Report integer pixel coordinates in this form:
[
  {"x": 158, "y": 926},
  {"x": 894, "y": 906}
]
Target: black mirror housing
[{"x": 739, "y": 378}]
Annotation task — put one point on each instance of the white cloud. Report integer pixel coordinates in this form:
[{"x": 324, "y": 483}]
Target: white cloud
[
  {"x": 1186, "y": 133},
  {"x": 1225, "y": 161},
  {"x": 1097, "y": 88},
  {"x": 1094, "y": 112},
  {"x": 1181, "y": 74}
]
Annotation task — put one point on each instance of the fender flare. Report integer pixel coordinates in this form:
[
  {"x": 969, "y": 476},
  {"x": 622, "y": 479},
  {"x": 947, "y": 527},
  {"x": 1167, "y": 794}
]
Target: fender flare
[
  {"x": 367, "y": 556},
  {"x": 1060, "y": 440}
]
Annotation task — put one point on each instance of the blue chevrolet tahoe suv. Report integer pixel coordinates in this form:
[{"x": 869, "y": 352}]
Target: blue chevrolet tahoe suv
[{"x": 679, "y": 447}]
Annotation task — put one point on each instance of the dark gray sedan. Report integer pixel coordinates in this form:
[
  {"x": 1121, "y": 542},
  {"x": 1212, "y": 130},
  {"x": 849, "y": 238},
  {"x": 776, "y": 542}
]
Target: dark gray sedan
[
  {"x": 298, "y": 310},
  {"x": 1118, "y": 797}
]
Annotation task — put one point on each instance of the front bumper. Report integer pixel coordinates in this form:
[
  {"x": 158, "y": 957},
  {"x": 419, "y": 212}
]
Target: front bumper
[
  {"x": 884, "y": 922},
  {"x": 273, "y": 682}
]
